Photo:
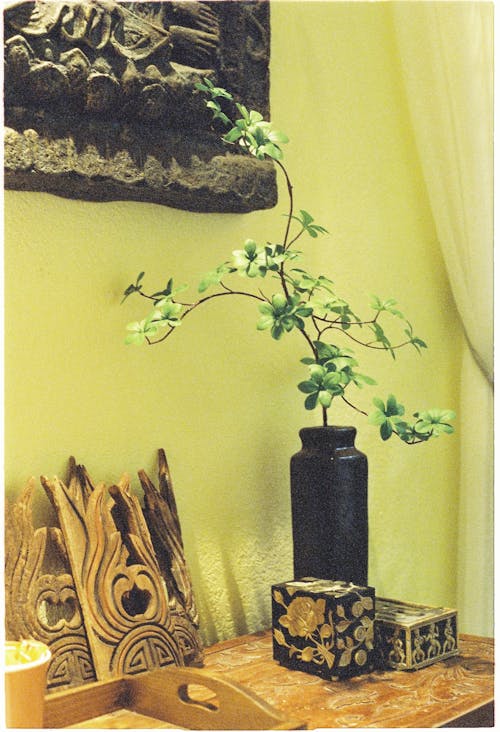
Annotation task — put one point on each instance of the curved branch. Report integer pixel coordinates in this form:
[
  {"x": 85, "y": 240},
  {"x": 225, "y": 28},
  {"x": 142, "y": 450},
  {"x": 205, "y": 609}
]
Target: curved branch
[
  {"x": 353, "y": 406},
  {"x": 366, "y": 345},
  {"x": 148, "y": 297},
  {"x": 310, "y": 342},
  {"x": 290, "y": 198},
  {"x": 201, "y": 302}
]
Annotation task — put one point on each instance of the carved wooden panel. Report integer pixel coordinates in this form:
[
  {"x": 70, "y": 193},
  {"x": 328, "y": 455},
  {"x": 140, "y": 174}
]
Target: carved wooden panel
[
  {"x": 116, "y": 599},
  {"x": 160, "y": 511},
  {"x": 100, "y": 101},
  {"x": 41, "y": 598}
]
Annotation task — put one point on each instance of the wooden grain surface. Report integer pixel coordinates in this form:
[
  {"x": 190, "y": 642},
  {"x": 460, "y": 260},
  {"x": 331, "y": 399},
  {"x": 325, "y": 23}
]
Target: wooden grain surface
[
  {"x": 123, "y": 719},
  {"x": 457, "y": 692},
  {"x": 459, "y": 688},
  {"x": 171, "y": 697},
  {"x": 106, "y": 587}
]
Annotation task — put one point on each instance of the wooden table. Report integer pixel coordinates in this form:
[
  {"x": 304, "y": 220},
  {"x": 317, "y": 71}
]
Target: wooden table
[
  {"x": 457, "y": 692},
  {"x": 242, "y": 687}
]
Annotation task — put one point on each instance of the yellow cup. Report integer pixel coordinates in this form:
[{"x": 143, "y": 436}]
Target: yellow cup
[{"x": 26, "y": 664}]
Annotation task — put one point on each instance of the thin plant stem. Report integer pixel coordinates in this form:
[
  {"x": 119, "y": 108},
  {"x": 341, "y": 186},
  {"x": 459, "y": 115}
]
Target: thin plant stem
[
  {"x": 201, "y": 302},
  {"x": 290, "y": 199}
]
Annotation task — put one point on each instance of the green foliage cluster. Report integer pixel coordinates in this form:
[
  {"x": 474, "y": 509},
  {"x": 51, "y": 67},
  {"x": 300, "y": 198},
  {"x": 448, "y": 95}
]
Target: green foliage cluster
[{"x": 301, "y": 302}]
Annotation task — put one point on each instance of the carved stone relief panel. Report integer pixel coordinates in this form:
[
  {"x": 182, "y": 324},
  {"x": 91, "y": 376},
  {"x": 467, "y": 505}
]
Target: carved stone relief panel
[
  {"x": 112, "y": 593},
  {"x": 100, "y": 101}
]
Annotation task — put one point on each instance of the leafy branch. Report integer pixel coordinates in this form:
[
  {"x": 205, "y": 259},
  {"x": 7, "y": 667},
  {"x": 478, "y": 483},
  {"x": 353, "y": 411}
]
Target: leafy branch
[{"x": 299, "y": 301}]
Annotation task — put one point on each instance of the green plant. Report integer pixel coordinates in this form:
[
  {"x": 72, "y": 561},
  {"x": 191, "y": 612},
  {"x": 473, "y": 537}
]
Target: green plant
[{"x": 301, "y": 302}]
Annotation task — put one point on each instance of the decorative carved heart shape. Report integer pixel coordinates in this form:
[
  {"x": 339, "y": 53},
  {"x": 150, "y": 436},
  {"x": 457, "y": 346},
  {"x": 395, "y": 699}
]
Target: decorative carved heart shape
[
  {"x": 58, "y": 608},
  {"x": 136, "y": 601}
]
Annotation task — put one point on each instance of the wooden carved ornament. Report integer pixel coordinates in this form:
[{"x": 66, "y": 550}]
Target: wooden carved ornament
[{"x": 116, "y": 599}]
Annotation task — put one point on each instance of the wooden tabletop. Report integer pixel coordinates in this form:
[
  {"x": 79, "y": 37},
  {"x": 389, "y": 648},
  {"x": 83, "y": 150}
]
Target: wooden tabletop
[{"x": 455, "y": 692}]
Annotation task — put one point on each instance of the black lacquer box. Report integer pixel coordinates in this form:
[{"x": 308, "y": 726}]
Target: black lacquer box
[{"x": 324, "y": 627}]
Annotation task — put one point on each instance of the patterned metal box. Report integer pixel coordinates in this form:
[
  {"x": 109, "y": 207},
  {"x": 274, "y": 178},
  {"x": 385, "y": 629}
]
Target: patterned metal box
[
  {"x": 323, "y": 627},
  {"x": 410, "y": 636}
]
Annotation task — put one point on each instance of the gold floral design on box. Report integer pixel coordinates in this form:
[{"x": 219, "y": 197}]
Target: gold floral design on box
[{"x": 345, "y": 638}]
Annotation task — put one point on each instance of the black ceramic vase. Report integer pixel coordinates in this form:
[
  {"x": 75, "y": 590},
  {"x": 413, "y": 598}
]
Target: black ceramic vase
[{"x": 329, "y": 491}]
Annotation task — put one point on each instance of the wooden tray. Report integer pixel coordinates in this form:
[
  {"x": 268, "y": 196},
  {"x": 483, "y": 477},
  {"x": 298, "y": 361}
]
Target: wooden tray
[{"x": 172, "y": 697}]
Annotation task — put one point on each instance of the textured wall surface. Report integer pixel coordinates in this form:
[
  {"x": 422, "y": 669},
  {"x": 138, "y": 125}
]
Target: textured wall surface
[{"x": 220, "y": 397}]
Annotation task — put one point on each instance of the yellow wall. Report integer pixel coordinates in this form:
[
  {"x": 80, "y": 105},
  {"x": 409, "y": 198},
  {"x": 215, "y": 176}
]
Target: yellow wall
[{"x": 220, "y": 397}]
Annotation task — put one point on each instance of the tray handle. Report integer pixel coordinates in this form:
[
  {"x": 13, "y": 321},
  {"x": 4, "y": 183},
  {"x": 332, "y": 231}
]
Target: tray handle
[{"x": 196, "y": 699}]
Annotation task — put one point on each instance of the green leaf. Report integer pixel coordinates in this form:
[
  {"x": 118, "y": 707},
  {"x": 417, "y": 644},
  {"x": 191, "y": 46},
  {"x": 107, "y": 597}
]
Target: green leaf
[
  {"x": 386, "y": 430},
  {"x": 250, "y": 247},
  {"x": 392, "y": 405},
  {"x": 357, "y": 378},
  {"x": 211, "y": 278},
  {"x": 305, "y": 219},
  {"x": 267, "y": 321},
  {"x": 317, "y": 371},
  {"x": 273, "y": 151},
  {"x": 233, "y": 135},
  {"x": 279, "y": 302},
  {"x": 278, "y": 137},
  {"x": 277, "y": 331},
  {"x": 255, "y": 117},
  {"x": 136, "y": 287},
  {"x": 166, "y": 291},
  {"x": 434, "y": 422},
  {"x": 204, "y": 87},
  {"x": 325, "y": 398},
  {"x": 244, "y": 112},
  {"x": 311, "y": 401},
  {"x": 266, "y": 308},
  {"x": 167, "y": 313},
  {"x": 304, "y": 310},
  {"x": 135, "y": 339},
  {"x": 377, "y": 418},
  {"x": 308, "y": 387},
  {"x": 332, "y": 380},
  {"x": 207, "y": 86},
  {"x": 140, "y": 331}
]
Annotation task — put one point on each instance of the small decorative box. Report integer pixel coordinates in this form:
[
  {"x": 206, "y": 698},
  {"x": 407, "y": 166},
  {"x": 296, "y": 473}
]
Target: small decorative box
[
  {"x": 323, "y": 627},
  {"x": 409, "y": 636}
]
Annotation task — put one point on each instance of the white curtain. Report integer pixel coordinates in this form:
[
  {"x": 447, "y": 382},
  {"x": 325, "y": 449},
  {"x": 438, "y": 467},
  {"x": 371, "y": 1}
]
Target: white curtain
[{"x": 446, "y": 51}]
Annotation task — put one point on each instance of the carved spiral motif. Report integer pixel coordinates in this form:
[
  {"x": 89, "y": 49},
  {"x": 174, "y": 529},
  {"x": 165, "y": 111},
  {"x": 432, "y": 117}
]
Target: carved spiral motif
[{"x": 143, "y": 649}]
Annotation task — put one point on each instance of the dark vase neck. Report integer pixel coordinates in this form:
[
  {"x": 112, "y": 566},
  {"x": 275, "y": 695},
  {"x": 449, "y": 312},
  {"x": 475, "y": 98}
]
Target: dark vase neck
[{"x": 331, "y": 437}]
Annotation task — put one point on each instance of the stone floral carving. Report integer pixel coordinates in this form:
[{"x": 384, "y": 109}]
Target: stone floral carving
[
  {"x": 103, "y": 57},
  {"x": 100, "y": 101}
]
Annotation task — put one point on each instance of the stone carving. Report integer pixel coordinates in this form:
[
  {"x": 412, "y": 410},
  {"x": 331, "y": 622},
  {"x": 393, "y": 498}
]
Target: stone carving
[
  {"x": 109, "y": 598},
  {"x": 100, "y": 101}
]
